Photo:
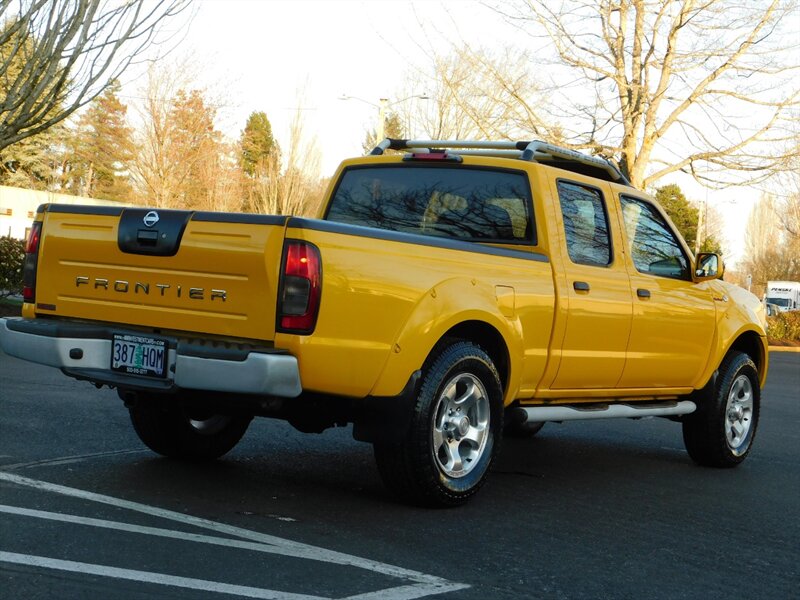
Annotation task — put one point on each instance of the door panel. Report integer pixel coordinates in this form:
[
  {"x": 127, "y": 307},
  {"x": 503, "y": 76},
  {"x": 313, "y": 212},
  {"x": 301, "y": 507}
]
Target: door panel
[
  {"x": 598, "y": 327},
  {"x": 671, "y": 333},
  {"x": 597, "y": 288},
  {"x": 673, "y": 318}
]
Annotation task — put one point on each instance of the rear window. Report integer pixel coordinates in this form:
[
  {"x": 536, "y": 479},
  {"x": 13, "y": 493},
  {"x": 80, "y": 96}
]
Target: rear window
[{"x": 472, "y": 204}]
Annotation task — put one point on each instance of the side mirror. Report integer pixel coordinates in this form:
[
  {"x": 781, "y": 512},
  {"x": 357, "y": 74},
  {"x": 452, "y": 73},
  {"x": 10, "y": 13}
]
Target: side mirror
[{"x": 708, "y": 266}]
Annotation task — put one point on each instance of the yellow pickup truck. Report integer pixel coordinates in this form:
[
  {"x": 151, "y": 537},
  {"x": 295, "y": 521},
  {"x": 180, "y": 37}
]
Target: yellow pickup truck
[{"x": 447, "y": 294}]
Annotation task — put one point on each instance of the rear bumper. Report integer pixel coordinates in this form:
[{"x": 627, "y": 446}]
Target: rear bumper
[{"x": 83, "y": 351}]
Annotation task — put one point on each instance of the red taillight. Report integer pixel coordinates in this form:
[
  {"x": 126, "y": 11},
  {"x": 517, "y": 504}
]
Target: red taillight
[
  {"x": 31, "y": 260},
  {"x": 301, "y": 287},
  {"x": 35, "y": 234}
]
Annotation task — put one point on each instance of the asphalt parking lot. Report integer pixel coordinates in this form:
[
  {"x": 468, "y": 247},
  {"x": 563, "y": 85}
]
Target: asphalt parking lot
[{"x": 610, "y": 509}]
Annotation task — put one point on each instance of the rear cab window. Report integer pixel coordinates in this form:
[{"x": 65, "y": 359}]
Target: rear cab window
[
  {"x": 476, "y": 204},
  {"x": 585, "y": 224}
]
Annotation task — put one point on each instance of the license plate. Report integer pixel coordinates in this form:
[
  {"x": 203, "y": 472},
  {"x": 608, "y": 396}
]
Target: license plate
[{"x": 139, "y": 355}]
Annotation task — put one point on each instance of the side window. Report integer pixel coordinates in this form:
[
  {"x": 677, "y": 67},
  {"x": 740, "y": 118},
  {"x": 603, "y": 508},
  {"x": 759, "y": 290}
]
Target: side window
[
  {"x": 654, "y": 247},
  {"x": 585, "y": 224}
]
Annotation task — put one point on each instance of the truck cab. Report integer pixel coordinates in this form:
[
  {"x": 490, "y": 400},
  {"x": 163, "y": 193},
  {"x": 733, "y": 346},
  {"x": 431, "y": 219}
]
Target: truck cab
[{"x": 783, "y": 296}]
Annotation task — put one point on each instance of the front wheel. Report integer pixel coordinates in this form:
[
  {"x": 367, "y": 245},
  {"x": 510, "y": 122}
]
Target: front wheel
[
  {"x": 721, "y": 432},
  {"x": 454, "y": 434},
  {"x": 168, "y": 428}
]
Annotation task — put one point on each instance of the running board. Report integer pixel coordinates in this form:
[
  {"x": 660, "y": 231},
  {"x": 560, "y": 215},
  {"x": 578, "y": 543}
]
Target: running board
[{"x": 539, "y": 414}]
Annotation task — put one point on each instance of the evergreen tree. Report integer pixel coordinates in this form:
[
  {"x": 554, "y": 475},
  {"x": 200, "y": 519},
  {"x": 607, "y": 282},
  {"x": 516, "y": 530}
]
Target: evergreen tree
[
  {"x": 196, "y": 148},
  {"x": 711, "y": 244},
  {"x": 257, "y": 143},
  {"x": 103, "y": 149},
  {"x": 685, "y": 216},
  {"x": 392, "y": 127},
  {"x": 29, "y": 163}
]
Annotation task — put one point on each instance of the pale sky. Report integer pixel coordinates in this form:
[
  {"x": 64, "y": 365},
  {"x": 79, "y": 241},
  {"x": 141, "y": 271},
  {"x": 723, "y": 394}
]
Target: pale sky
[
  {"x": 263, "y": 53},
  {"x": 259, "y": 53}
]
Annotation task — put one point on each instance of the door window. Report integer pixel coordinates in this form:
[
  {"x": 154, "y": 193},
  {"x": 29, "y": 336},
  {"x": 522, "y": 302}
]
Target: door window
[
  {"x": 654, "y": 247},
  {"x": 585, "y": 224}
]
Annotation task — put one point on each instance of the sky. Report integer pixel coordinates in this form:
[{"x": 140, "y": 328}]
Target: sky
[{"x": 276, "y": 55}]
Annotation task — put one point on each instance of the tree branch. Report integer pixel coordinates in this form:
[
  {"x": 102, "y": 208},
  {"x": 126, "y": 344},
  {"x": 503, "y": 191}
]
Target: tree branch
[{"x": 58, "y": 55}]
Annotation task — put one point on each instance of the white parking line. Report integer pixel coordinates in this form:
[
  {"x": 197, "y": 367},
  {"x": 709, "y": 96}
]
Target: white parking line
[
  {"x": 424, "y": 585},
  {"x": 67, "y": 460},
  {"x": 149, "y": 577},
  {"x": 130, "y": 528}
]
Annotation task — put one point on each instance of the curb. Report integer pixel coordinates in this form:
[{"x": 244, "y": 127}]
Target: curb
[{"x": 784, "y": 348}]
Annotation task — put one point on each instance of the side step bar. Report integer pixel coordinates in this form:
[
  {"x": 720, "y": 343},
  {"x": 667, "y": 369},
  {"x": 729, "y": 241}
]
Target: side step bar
[{"x": 539, "y": 414}]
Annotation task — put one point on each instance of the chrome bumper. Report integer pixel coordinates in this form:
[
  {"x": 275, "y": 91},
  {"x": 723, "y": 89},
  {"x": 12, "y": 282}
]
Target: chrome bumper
[{"x": 84, "y": 351}]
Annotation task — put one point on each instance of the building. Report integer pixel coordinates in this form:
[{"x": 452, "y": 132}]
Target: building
[{"x": 18, "y": 207}]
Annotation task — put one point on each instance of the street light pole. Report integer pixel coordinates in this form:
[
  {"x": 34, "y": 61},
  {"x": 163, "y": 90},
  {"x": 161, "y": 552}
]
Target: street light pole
[
  {"x": 380, "y": 130},
  {"x": 700, "y": 225},
  {"x": 383, "y": 107}
]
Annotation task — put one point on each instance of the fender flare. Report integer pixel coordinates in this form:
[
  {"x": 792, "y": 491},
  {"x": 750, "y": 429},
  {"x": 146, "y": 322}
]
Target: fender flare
[
  {"x": 441, "y": 309},
  {"x": 748, "y": 339}
]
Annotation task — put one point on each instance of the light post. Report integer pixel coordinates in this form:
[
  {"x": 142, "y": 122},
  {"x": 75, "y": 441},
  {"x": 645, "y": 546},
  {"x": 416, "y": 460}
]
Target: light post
[
  {"x": 702, "y": 226},
  {"x": 382, "y": 106},
  {"x": 380, "y": 130}
]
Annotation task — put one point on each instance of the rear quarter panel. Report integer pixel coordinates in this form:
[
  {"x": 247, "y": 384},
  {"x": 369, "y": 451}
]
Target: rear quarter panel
[{"x": 387, "y": 301}]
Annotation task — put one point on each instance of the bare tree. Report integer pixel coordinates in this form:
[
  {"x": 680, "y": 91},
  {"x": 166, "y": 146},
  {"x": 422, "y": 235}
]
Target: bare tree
[
  {"x": 473, "y": 94},
  {"x": 706, "y": 87},
  {"x": 222, "y": 178},
  {"x": 58, "y": 55},
  {"x": 157, "y": 180},
  {"x": 711, "y": 229},
  {"x": 289, "y": 184},
  {"x": 182, "y": 161},
  {"x": 790, "y": 209},
  {"x": 772, "y": 253},
  {"x": 786, "y": 189}
]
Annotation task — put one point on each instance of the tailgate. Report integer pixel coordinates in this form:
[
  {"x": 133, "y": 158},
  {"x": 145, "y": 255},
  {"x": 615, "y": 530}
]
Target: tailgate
[{"x": 214, "y": 273}]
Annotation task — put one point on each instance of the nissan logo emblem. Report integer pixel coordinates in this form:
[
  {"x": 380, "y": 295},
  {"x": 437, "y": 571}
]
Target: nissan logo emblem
[{"x": 150, "y": 218}]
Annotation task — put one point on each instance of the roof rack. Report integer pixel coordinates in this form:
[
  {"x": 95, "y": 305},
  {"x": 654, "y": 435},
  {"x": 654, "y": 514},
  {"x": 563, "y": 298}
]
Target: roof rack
[{"x": 534, "y": 151}]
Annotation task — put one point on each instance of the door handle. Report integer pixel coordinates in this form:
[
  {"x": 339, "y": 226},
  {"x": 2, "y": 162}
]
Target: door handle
[
  {"x": 643, "y": 293},
  {"x": 580, "y": 286}
]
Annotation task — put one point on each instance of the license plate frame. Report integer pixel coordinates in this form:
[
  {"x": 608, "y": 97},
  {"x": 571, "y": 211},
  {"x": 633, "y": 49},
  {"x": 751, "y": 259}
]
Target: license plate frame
[{"x": 141, "y": 355}]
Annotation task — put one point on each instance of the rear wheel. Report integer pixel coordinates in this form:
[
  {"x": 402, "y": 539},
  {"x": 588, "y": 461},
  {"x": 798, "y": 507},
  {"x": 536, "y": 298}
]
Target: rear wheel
[
  {"x": 721, "y": 432},
  {"x": 168, "y": 428},
  {"x": 454, "y": 434}
]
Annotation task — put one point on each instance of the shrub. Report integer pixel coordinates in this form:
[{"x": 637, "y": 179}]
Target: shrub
[
  {"x": 784, "y": 327},
  {"x": 12, "y": 256}
]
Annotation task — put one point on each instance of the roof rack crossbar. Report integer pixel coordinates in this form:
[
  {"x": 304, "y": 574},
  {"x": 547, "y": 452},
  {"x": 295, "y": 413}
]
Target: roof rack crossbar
[
  {"x": 476, "y": 144},
  {"x": 535, "y": 151}
]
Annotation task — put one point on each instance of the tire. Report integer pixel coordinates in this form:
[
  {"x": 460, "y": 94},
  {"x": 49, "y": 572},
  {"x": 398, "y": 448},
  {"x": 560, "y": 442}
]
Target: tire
[
  {"x": 166, "y": 428},
  {"x": 721, "y": 432},
  {"x": 455, "y": 431}
]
